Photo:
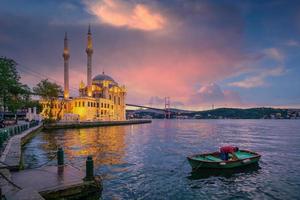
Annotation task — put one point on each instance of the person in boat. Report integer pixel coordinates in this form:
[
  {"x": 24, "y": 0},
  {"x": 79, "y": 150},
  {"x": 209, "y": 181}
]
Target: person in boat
[{"x": 226, "y": 150}]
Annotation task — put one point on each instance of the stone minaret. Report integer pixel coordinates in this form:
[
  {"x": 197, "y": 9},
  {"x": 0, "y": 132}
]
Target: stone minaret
[
  {"x": 89, "y": 51},
  {"x": 66, "y": 56}
]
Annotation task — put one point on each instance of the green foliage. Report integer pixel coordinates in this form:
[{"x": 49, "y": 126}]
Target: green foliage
[
  {"x": 13, "y": 94},
  {"x": 222, "y": 113},
  {"x": 236, "y": 113},
  {"x": 49, "y": 92}
]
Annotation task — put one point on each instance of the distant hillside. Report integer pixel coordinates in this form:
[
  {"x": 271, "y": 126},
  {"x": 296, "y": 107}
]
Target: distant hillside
[
  {"x": 220, "y": 113},
  {"x": 236, "y": 113}
]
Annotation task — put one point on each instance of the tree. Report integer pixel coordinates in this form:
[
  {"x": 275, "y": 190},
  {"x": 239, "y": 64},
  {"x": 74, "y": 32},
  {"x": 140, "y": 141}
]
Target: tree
[
  {"x": 13, "y": 93},
  {"x": 49, "y": 92}
]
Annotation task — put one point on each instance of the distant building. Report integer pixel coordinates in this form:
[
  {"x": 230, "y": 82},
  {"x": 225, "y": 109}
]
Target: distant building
[{"x": 102, "y": 98}]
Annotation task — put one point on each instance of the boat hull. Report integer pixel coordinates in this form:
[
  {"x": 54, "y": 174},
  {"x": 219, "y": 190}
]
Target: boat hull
[{"x": 198, "y": 164}]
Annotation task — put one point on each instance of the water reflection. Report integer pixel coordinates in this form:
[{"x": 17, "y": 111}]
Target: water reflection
[
  {"x": 148, "y": 161},
  {"x": 106, "y": 144},
  {"x": 227, "y": 173}
]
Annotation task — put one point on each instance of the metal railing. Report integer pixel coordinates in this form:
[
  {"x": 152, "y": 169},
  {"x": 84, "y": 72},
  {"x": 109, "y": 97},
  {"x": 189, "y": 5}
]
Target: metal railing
[{"x": 7, "y": 132}]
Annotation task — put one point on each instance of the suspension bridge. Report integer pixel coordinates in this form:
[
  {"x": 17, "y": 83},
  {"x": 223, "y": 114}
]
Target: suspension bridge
[{"x": 167, "y": 110}]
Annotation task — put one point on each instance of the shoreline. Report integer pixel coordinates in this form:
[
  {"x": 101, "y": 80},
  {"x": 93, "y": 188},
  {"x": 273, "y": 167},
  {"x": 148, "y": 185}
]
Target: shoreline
[
  {"x": 67, "y": 125},
  {"x": 61, "y": 181},
  {"x": 12, "y": 153}
]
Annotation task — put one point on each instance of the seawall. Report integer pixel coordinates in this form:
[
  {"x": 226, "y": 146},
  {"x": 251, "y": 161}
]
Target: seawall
[
  {"x": 44, "y": 182},
  {"x": 86, "y": 124},
  {"x": 12, "y": 155}
]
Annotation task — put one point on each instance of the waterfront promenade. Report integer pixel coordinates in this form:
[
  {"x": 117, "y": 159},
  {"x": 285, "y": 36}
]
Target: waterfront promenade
[
  {"x": 12, "y": 154},
  {"x": 49, "y": 182}
]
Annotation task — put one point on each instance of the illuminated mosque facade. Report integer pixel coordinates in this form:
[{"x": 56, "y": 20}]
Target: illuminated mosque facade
[{"x": 101, "y": 98}]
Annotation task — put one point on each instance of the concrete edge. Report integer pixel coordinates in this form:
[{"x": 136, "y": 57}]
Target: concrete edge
[
  {"x": 94, "y": 124},
  {"x": 20, "y": 139},
  {"x": 78, "y": 190}
]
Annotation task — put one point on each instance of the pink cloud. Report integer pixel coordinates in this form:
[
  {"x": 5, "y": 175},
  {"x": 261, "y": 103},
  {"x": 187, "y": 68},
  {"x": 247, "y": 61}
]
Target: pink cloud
[
  {"x": 122, "y": 13},
  {"x": 171, "y": 71},
  {"x": 259, "y": 79},
  {"x": 292, "y": 43},
  {"x": 194, "y": 49},
  {"x": 275, "y": 54},
  {"x": 212, "y": 94}
]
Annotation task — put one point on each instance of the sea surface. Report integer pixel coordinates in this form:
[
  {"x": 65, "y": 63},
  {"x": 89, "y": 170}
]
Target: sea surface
[{"x": 148, "y": 161}]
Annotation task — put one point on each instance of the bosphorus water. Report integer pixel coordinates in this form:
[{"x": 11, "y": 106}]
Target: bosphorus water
[{"x": 148, "y": 161}]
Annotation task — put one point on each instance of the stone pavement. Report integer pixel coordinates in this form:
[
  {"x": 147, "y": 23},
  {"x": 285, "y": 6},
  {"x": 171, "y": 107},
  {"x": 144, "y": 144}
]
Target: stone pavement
[
  {"x": 48, "y": 177},
  {"x": 49, "y": 182},
  {"x": 12, "y": 153},
  {"x": 57, "y": 182}
]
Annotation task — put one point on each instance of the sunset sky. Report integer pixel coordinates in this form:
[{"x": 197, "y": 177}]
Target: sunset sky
[{"x": 227, "y": 53}]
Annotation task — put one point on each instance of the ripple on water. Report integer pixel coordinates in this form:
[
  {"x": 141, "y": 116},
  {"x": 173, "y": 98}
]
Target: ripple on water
[{"x": 149, "y": 161}]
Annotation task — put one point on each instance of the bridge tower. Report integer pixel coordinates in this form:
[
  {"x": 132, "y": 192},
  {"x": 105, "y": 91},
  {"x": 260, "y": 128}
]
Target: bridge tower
[{"x": 167, "y": 108}]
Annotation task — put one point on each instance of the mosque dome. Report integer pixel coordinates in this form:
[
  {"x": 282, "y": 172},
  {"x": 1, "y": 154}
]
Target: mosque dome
[{"x": 103, "y": 77}]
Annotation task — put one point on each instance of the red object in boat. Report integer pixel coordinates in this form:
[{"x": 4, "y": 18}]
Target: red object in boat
[{"x": 228, "y": 149}]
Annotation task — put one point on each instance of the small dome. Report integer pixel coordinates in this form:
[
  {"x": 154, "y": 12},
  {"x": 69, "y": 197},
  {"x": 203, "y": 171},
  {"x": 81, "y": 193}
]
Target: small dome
[
  {"x": 97, "y": 80},
  {"x": 103, "y": 77}
]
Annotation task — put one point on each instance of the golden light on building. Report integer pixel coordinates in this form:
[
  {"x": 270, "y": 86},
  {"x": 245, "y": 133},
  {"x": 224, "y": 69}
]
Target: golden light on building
[{"x": 100, "y": 99}]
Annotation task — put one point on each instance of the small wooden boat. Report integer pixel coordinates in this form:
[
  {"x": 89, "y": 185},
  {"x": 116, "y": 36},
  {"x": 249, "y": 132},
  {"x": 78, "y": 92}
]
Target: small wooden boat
[{"x": 213, "y": 160}]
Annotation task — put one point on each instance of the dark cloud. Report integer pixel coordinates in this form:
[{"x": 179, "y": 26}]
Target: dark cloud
[{"x": 200, "y": 42}]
